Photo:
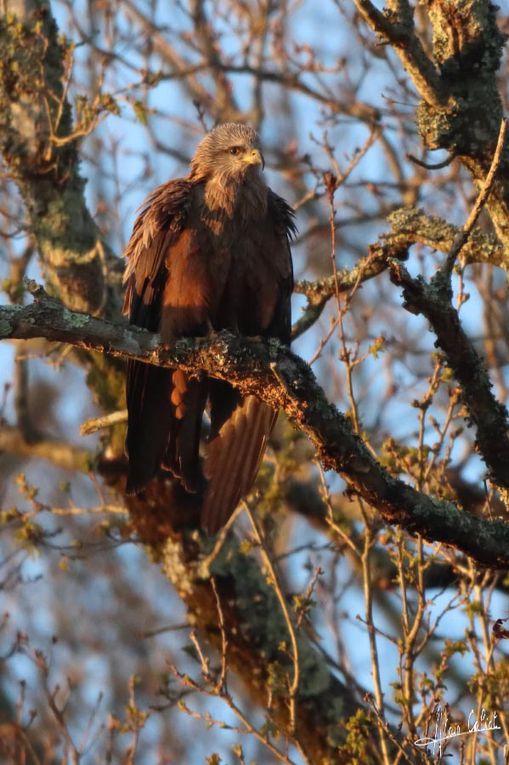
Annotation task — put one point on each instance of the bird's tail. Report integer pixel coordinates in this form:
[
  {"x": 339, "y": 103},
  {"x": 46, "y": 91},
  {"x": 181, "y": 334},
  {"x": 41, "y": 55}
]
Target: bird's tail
[
  {"x": 149, "y": 421},
  {"x": 232, "y": 460},
  {"x": 164, "y": 424}
]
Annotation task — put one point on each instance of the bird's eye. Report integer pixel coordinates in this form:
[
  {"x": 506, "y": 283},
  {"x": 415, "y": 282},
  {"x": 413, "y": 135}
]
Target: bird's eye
[{"x": 235, "y": 150}]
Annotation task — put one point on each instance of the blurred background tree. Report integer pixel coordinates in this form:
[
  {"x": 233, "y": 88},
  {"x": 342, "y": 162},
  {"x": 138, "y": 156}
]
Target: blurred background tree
[{"x": 346, "y": 616}]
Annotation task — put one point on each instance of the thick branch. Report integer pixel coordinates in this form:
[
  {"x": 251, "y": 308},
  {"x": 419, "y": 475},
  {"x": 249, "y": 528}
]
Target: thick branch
[
  {"x": 398, "y": 29},
  {"x": 465, "y": 119},
  {"x": 38, "y": 143},
  {"x": 40, "y": 152},
  {"x": 284, "y": 381},
  {"x": 256, "y": 630},
  {"x": 410, "y": 225},
  {"x": 489, "y": 416}
]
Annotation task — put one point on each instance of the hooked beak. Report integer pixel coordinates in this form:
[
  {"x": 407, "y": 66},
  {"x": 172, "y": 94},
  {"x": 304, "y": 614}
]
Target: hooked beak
[{"x": 254, "y": 157}]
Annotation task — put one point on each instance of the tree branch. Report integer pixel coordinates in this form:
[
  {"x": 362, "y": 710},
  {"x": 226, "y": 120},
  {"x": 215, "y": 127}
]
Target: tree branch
[
  {"x": 409, "y": 225},
  {"x": 256, "y": 631},
  {"x": 60, "y": 453},
  {"x": 489, "y": 416},
  {"x": 284, "y": 381},
  {"x": 40, "y": 150},
  {"x": 398, "y": 29},
  {"x": 36, "y": 142},
  {"x": 465, "y": 118}
]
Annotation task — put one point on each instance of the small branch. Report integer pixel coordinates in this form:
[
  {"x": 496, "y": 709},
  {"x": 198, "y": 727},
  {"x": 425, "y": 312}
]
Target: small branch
[
  {"x": 100, "y": 423},
  {"x": 60, "y": 453},
  {"x": 310, "y": 316},
  {"x": 222, "y": 108},
  {"x": 463, "y": 235},
  {"x": 400, "y": 33},
  {"x": 321, "y": 290},
  {"x": 430, "y": 165},
  {"x": 208, "y": 43},
  {"x": 410, "y": 225},
  {"x": 489, "y": 416},
  {"x": 235, "y": 593},
  {"x": 99, "y": 510},
  {"x": 276, "y": 583},
  {"x": 249, "y": 364}
]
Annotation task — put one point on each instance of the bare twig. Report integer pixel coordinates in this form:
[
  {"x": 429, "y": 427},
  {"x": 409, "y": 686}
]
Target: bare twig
[
  {"x": 99, "y": 423},
  {"x": 60, "y": 453},
  {"x": 432, "y": 165},
  {"x": 401, "y": 35},
  {"x": 276, "y": 584},
  {"x": 481, "y": 200}
]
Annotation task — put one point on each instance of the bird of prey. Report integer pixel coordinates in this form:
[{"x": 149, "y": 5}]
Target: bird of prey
[{"x": 208, "y": 252}]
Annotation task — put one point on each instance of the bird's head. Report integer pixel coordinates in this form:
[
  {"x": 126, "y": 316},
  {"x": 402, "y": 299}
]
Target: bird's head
[{"x": 228, "y": 153}]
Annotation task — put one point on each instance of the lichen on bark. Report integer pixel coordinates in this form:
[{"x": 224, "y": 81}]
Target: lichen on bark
[{"x": 41, "y": 156}]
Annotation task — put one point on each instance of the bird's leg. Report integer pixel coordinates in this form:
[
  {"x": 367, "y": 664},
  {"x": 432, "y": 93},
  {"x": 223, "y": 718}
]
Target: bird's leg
[{"x": 209, "y": 330}]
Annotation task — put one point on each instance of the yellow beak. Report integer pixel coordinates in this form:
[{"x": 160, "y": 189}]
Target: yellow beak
[{"x": 254, "y": 157}]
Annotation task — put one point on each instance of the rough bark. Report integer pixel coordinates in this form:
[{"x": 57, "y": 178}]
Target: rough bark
[
  {"x": 39, "y": 145},
  {"x": 460, "y": 109},
  {"x": 41, "y": 153}
]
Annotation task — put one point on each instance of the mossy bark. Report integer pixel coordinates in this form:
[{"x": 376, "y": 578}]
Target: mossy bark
[{"x": 42, "y": 157}]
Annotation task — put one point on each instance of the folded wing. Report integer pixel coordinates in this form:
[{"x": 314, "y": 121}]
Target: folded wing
[{"x": 165, "y": 408}]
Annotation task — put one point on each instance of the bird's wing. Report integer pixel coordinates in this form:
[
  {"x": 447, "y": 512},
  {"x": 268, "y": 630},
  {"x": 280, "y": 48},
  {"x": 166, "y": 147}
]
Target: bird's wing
[
  {"x": 164, "y": 407},
  {"x": 241, "y": 426},
  {"x": 159, "y": 224},
  {"x": 284, "y": 230}
]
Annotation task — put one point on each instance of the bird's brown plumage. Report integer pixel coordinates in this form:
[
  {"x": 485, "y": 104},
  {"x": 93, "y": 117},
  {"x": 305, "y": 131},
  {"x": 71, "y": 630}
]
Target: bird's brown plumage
[{"x": 208, "y": 252}]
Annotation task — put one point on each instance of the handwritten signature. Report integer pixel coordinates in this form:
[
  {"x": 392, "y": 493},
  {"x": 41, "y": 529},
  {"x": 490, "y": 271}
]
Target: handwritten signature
[{"x": 444, "y": 731}]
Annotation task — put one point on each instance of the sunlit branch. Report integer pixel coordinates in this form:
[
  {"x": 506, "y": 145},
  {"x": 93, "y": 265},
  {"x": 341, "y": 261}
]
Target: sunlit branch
[{"x": 284, "y": 381}]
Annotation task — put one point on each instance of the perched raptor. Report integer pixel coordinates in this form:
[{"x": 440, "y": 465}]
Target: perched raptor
[{"x": 208, "y": 252}]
